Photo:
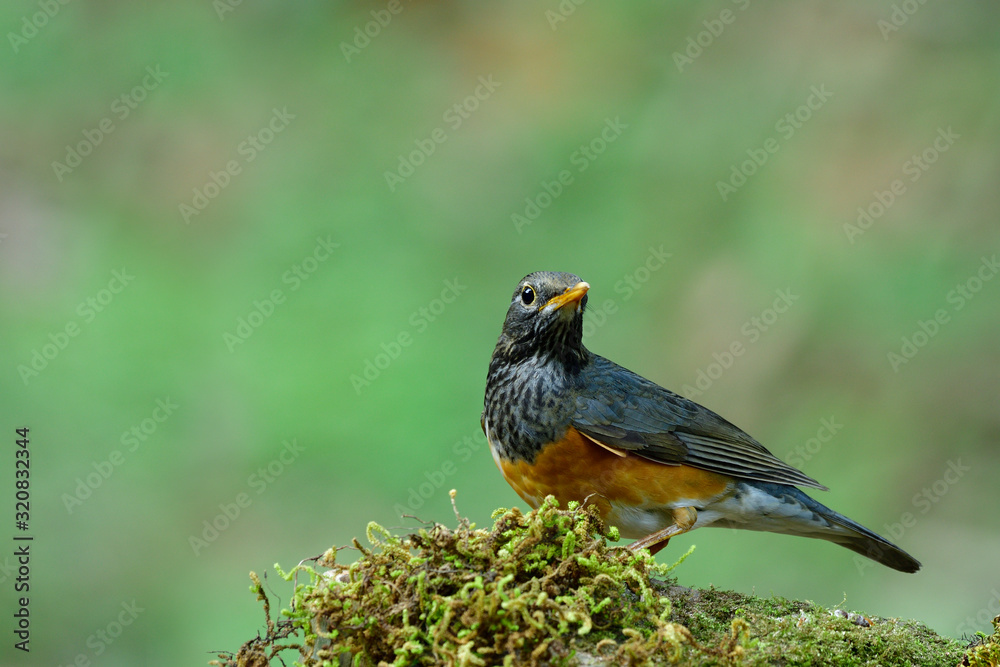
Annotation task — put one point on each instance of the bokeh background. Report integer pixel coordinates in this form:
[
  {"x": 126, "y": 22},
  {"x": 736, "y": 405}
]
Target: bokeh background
[{"x": 642, "y": 110}]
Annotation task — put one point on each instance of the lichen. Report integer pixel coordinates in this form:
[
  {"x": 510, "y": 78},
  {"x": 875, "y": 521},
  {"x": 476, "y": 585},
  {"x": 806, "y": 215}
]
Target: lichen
[{"x": 545, "y": 588}]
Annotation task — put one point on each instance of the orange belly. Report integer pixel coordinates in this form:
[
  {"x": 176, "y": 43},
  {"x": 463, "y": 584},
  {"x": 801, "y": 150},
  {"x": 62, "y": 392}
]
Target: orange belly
[{"x": 576, "y": 468}]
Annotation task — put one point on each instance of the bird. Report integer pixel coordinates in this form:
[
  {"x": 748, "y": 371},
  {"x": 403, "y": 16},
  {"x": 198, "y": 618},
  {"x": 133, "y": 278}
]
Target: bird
[{"x": 563, "y": 421}]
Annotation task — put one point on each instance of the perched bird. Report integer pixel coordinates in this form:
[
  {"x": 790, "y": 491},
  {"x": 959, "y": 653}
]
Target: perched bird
[{"x": 564, "y": 421}]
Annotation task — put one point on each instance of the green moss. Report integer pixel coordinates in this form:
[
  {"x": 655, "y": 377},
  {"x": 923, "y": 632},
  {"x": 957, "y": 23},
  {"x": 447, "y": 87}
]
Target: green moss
[
  {"x": 985, "y": 650},
  {"x": 545, "y": 588}
]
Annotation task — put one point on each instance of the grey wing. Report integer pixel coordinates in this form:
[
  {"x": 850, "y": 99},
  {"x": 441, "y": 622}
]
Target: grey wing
[{"x": 630, "y": 413}]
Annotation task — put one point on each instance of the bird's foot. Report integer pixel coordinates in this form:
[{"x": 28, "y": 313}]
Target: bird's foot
[{"x": 684, "y": 520}]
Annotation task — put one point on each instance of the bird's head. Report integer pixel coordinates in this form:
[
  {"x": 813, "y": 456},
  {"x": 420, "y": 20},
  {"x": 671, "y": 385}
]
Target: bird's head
[{"x": 545, "y": 318}]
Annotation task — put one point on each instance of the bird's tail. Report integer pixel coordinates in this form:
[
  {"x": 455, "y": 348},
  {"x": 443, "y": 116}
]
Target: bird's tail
[{"x": 835, "y": 527}]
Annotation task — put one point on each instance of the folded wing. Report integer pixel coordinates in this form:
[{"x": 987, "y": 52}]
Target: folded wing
[{"x": 626, "y": 411}]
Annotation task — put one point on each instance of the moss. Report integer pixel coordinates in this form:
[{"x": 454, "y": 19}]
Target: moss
[
  {"x": 985, "y": 650},
  {"x": 545, "y": 588}
]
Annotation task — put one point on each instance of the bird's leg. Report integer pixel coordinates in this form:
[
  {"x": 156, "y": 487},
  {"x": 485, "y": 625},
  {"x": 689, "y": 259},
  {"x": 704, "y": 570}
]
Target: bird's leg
[
  {"x": 684, "y": 520},
  {"x": 658, "y": 547}
]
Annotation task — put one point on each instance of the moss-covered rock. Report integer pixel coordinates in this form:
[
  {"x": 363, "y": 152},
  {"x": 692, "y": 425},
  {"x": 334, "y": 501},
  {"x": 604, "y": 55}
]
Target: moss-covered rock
[{"x": 545, "y": 588}]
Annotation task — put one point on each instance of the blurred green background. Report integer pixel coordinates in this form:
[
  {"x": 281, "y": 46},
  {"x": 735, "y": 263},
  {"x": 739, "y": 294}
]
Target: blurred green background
[{"x": 641, "y": 111}]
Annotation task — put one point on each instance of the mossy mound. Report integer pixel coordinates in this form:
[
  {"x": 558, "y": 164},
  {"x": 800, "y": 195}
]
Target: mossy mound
[{"x": 545, "y": 588}]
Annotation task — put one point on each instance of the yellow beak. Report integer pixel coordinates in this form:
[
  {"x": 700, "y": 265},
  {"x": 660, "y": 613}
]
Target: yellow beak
[{"x": 571, "y": 295}]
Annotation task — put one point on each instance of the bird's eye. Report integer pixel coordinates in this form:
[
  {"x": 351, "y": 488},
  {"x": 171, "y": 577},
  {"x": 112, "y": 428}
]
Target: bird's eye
[{"x": 527, "y": 295}]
